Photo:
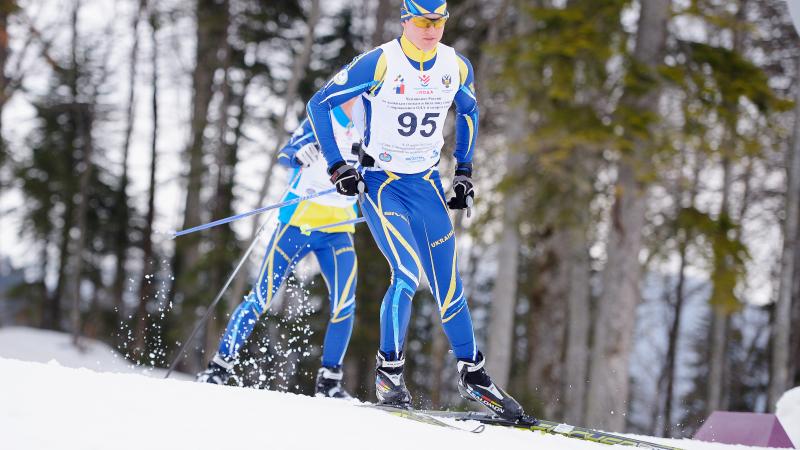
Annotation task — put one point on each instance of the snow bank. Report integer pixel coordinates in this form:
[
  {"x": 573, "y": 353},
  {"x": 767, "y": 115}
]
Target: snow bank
[
  {"x": 31, "y": 344},
  {"x": 788, "y": 412},
  {"x": 47, "y": 406}
]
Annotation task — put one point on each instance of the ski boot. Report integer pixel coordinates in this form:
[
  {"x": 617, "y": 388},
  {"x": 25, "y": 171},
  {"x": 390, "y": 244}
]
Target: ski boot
[
  {"x": 219, "y": 371},
  {"x": 474, "y": 384},
  {"x": 329, "y": 383},
  {"x": 390, "y": 387}
]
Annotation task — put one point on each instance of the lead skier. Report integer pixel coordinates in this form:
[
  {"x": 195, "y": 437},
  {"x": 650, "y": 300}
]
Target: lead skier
[
  {"x": 407, "y": 86},
  {"x": 333, "y": 248}
]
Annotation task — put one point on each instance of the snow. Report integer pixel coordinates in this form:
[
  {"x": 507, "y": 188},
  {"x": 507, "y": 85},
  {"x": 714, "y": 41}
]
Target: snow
[
  {"x": 95, "y": 399},
  {"x": 30, "y": 344},
  {"x": 49, "y": 406},
  {"x": 788, "y": 412}
]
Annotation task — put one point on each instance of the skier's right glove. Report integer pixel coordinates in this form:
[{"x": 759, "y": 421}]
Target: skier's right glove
[
  {"x": 307, "y": 154},
  {"x": 347, "y": 179}
]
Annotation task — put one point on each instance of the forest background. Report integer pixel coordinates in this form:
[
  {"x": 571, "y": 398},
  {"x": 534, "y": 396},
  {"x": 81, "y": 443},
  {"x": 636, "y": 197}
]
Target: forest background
[{"x": 632, "y": 262}]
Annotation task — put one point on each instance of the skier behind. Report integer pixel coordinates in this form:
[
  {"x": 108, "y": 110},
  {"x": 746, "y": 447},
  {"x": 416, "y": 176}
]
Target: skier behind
[
  {"x": 333, "y": 248},
  {"x": 407, "y": 86}
]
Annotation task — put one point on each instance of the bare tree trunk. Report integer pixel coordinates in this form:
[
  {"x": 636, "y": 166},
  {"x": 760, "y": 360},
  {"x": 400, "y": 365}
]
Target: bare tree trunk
[
  {"x": 684, "y": 238},
  {"x": 720, "y": 323},
  {"x": 608, "y": 392},
  {"x": 577, "y": 264},
  {"x": 720, "y": 319},
  {"x": 212, "y": 26},
  {"x": 123, "y": 240},
  {"x": 716, "y": 373},
  {"x": 298, "y": 69},
  {"x": 383, "y": 11},
  {"x": 794, "y": 380},
  {"x": 5, "y": 11},
  {"x": 781, "y": 334},
  {"x": 146, "y": 291},
  {"x": 576, "y": 359},
  {"x": 547, "y": 323},
  {"x": 83, "y": 118},
  {"x": 672, "y": 337},
  {"x": 504, "y": 293},
  {"x": 223, "y": 194},
  {"x": 438, "y": 357},
  {"x": 487, "y": 66},
  {"x": 52, "y": 317}
]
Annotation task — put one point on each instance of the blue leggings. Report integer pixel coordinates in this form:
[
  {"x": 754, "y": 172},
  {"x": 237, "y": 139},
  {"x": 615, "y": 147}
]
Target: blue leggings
[
  {"x": 337, "y": 260},
  {"x": 408, "y": 218}
]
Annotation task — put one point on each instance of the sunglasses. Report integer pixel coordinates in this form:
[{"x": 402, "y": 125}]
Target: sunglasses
[{"x": 424, "y": 22}]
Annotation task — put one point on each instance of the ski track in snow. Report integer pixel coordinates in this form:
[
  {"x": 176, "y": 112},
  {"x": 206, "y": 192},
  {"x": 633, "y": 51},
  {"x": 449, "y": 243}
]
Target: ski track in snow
[{"x": 48, "y": 406}]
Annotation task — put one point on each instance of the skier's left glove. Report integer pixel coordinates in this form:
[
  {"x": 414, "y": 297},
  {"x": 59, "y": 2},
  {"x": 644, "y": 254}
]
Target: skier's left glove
[
  {"x": 307, "y": 154},
  {"x": 347, "y": 179},
  {"x": 462, "y": 188}
]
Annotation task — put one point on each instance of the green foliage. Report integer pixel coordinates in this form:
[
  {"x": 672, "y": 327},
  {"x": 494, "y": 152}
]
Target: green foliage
[
  {"x": 732, "y": 78},
  {"x": 8, "y": 7},
  {"x": 561, "y": 70},
  {"x": 726, "y": 254}
]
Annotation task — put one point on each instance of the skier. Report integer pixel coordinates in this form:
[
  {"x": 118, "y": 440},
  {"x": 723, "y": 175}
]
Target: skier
[
  {"x": 407, "y": 86},
  {"x": 333, "y": 248}
]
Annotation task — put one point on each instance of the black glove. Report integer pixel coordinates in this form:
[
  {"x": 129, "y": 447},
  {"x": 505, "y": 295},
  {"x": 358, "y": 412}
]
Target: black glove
[
  {"x": 462, "y": 187},
  {"x": 347, "y": 179}
]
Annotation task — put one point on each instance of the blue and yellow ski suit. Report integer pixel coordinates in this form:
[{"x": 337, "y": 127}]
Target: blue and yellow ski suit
[
  {"x": 407, "y": 212},
  {"x": 333, "y": 248}
]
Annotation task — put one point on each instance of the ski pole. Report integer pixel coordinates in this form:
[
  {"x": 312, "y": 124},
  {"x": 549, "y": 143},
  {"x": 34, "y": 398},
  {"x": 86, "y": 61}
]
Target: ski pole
[
  {"x": 221, "y": 292},
  {"x": 305, "y": 230},
  {"x": 253, "y": 212}
]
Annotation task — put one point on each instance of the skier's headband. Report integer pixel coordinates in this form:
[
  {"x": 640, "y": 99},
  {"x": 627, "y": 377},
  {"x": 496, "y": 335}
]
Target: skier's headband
[{"x": 431, "y": 9}]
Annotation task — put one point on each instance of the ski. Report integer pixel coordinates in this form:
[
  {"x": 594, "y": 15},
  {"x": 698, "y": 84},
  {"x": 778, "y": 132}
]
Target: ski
[
  {"x": 417, "y": 416},
  {"x": 549, "y": 427}
]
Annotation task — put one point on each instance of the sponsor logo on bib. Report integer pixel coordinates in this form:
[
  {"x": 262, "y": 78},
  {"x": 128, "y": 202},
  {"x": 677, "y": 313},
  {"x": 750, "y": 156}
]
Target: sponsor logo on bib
[
  {"x": 425, "y": 80},
  {"x": 385, "y": 156},
  {"x": 399, "y": 87},
  {"x": 446, "y": 80}
]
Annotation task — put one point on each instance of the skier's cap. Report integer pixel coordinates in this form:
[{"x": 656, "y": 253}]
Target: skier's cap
[{"x": 413, "y": 8}]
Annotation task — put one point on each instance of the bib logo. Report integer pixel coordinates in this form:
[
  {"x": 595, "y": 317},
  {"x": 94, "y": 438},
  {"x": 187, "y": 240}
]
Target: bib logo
[
  {"x": 399, "y": 88},
  {"x": 446, "y": 80},
  {"x": 385, "y": 156},
  {"x": 425, "y": 80}
]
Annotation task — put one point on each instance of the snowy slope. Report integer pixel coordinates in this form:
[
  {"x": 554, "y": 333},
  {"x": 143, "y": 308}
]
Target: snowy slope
[
  {"x": 31, "y": 344},
  {"x": 788, "y": 412},
  {"x": 47, "y": 406}
]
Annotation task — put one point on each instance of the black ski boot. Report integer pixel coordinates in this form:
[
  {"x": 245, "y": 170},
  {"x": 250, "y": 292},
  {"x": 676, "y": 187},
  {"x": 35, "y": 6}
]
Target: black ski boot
[
  {"x": 390, "y": 387},
  {"x": 219, "y": 371},
  {"x": 474, "y": 384},
  {"x": 329, "y": 383}
]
